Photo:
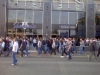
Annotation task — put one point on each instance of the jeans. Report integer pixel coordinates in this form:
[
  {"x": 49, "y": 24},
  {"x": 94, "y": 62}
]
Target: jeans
[
  {"x": 43, "y": 48},
  {"x": 10, "y": 49},
  {"x": 74, "y": 48},
  {"x": 48, "y": 49},
  {"x": 81, "y": 49},
  {"x": 39, "y": 50},
  {"x": 71, "y": 50},
  {"x": 64, "y": 51},
  {"x": 60, "y": 49},
  {"x": 34, "y": 44},
  {"x": 57, "y": 48},
  {"x": 27, "y": 53},
  {"x": 69, "y": 55},
  {"x": 14, "y": 57},
  {"x": 31, "y": 46}
]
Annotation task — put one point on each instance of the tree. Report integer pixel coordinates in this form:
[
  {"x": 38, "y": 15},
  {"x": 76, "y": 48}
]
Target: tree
[
  {"x": 97, "y": 18},
  {"x": 55, "y": 32}
]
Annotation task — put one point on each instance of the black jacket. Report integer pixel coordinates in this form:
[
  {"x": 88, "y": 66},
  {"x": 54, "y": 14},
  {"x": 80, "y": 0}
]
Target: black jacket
[{"x": 93, "y": 46}]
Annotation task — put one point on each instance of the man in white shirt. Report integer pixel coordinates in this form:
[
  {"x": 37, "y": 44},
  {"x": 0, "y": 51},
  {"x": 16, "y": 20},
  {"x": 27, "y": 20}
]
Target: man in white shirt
[
  {"x": 53, "y": 47},
  {"x": 39, "y": 46},
  {"x": 34, "y": 42},
  {"x": 14, "y": 51}
]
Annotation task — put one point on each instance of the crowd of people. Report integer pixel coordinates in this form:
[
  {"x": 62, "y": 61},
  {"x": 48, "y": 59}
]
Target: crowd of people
[{"x": 47, "y": 45}]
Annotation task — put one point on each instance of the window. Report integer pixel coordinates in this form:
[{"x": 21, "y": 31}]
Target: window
[
  {"x": 55, "y": 17},
  {"x": 38, "y": 16},
  {"x": 21, "y": 16},
  {"x": 12, "y": 16},
  {"x": 29, "y": 16},
  {"x": 81, "y": 18},
  {"x": 72, "y": 18},
  {"x": 64, "y": 17}
]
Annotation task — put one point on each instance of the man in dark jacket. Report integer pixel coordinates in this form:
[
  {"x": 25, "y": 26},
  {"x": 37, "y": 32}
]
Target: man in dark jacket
[
  {"x": 92, "y": 49},
  {"x": 43, "y": 46},
  {"x": 23, "y": 47},
  {"x": 48, "y": 45}
]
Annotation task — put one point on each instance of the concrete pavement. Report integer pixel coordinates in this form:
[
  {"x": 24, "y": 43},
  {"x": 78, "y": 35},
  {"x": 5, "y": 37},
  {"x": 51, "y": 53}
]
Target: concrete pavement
[{"x": 50, "y": 65}]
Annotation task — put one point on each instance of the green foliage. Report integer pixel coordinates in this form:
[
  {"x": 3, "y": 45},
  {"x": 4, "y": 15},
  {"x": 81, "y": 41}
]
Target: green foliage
[
  {"x": 97, "y": 18},
  {"x": 55, "y": 32}
]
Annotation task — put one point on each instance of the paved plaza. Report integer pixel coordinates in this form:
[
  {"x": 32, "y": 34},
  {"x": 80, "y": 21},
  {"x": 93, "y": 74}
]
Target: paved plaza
[{"x": 50, "y": 65}]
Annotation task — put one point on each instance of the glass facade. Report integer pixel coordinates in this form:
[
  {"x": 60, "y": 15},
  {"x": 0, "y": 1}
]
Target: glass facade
[
  {"x": 56, "y": 16},
  {"x": 32, "y": 12}
]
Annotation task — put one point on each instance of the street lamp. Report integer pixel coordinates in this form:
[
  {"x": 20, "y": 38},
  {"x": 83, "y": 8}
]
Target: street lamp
[
  {"x": 33, "y": 4},
  {"x": 60, "y": 5},
  {"x": 79, "y": 2}
]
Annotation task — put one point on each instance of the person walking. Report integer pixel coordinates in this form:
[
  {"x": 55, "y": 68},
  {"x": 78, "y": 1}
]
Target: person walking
[
  {"x": 34, "y": 43},
  {"x": 48, "y": 45},
  {"x": 23, "y": 47},
  {"x": 14, "y": 51},
  {"x": 69, "y": 49},
  {"x": 10, "y": 47},
  {"x": 27, "y": 48},
  {"x": 53, "y": 47},
  {"x": 64, "y": 47},
  {"x": 43, "y": 46},
  {"x": 82, "y": 47},
  {"x": 74, "y": 45},
  {"x": 60, "y": 46},
  {"x": 39, "y": 47},
  {"x": 92, "y": 50},
  {"x": 2, "y": 45}
]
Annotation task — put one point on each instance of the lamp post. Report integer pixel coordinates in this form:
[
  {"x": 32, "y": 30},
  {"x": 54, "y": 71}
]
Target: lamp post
[{"x": 79, "y": 2}]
